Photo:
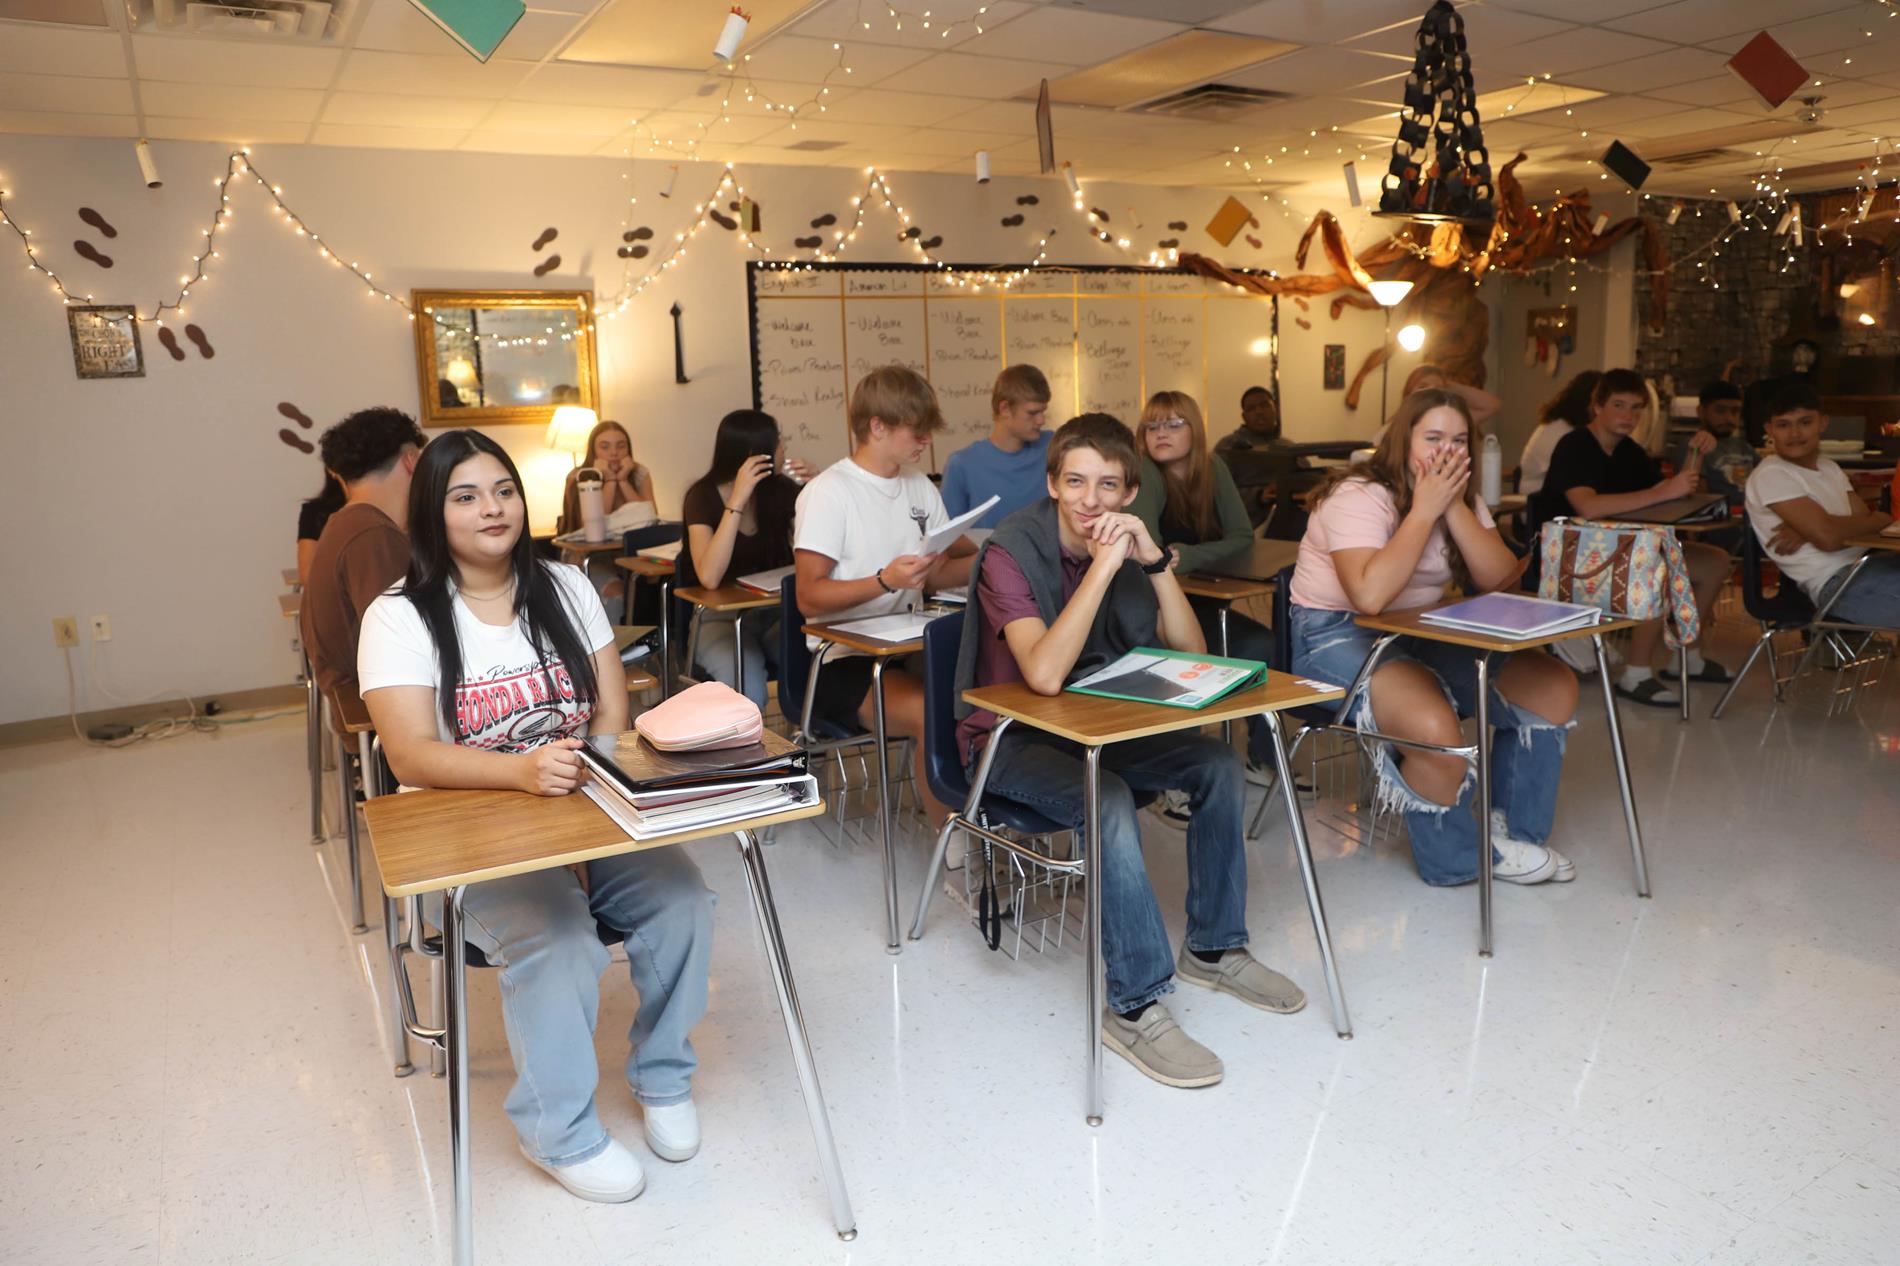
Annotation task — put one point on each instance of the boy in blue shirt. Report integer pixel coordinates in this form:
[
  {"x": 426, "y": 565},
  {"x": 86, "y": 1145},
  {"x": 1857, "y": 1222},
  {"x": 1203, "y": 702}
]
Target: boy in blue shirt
[{"x": 1009, "y": 464}]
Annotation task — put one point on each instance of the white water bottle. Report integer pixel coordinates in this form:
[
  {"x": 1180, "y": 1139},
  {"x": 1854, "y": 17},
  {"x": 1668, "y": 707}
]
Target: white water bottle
[
  {"x": 1491, "y": 472},
  {"x": 593, "y": 509}
]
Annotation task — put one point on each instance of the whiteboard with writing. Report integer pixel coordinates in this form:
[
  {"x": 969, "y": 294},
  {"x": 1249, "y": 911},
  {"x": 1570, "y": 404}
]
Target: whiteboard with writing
[{"x": 1106, "y": 338}]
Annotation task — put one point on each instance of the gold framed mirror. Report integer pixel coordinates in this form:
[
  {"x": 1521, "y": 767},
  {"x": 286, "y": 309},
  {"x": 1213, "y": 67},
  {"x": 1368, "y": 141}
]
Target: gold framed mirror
[{"x": 495, "y": 357}]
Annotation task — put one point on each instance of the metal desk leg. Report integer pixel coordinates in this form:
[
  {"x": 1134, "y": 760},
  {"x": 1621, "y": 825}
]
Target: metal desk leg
[
  {"x": 1226, "y": 727},
  {"x": 891, "y": 944},
  {"x": 313, "y": 744},
  {"x": 666, "y": 639},
  {"x": 1682, "y": 679},
  {"x": 1484, "y": 805},
  {"x": 347, "y": 796},
  {"x": 455, "y": 1041},
  {"x": 1296, "y": 823},
  {"x": 1092, "y": 890},
  {"x": 738, "y": 650},
  {"x": 1622, "y": 769},
  {"x": 760, "y": 890}
]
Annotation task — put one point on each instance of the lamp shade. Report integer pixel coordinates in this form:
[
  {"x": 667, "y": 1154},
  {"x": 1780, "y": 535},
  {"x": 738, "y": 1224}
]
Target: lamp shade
[
  {"x": 569, "y": 428},
  {"x": 1389, "y": 294},
  {"x": 1412, "y": 337}
]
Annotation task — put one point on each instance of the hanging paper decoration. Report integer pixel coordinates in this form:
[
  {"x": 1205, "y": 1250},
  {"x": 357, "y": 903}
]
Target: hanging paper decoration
[{"x": 1440, "y": 170}]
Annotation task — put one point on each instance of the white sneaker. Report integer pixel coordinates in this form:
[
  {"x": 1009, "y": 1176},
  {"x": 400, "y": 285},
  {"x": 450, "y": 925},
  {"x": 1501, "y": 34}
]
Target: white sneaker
[
  {"x": 1521, "y": 863},
  {"x": 612, "y": 1177},
  {"x": 1173, "y": 808},
  {"x": 1578, "y": 654},
  {"x": 1566, "y": 869},
  {"x": 673, "y": 1131}
]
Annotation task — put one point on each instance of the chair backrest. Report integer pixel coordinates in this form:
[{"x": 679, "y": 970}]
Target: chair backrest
[
  {"x": 647, "y": 535},
  {"x": 1283, "y": 621},
  {"x": 1788, "y": 605},
  {"x": 943, "y": 766},
  {"x": 794, "y": 657}
]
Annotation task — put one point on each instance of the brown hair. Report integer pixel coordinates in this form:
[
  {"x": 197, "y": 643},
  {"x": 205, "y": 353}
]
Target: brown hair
[
  {"x": 600, "y": 429},
  {"x": 1102, "y": 432},
  {"x": 1619, "y": 382},
  {"x": 1390, "y": 465},
  {"x": 1189, "y": 482},
  {"x": 1019, "y": 384},
  {"x": 895, "y": 396}
]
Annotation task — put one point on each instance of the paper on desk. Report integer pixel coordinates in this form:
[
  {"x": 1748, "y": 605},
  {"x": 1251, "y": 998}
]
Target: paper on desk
[
  {"x": 946, "y": 536},
  {"x": 666, "y": 552},
  {"x": 1892, "y": 529},
  {"x": 903, "y": 627}
]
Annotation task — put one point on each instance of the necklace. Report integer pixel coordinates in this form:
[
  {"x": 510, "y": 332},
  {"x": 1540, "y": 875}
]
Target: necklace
[{"x": 489, "y": 597}]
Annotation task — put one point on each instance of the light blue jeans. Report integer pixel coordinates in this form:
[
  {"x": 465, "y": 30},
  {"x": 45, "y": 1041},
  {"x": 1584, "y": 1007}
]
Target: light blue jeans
[
  {"x": 1045, "y": 774},
  {"x": 1527, "y": 756},
  {"x": 539, "y": 930},
  {"x": 1874, "y": 597},
  {"x": 714, "y": 651}
]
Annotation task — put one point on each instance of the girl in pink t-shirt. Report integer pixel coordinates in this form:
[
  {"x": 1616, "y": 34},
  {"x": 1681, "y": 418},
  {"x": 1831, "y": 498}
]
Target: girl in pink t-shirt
[{"x": 1389, "y": 534}]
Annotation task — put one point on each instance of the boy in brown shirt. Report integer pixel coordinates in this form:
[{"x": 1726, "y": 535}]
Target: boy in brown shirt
[{"x": 364, "y": 548}]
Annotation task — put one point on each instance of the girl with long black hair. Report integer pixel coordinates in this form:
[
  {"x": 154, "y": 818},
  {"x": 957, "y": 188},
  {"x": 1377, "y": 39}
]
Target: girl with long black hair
[
  {"x": 738, "y": 518},
  {"x": 484, "y": 669}
]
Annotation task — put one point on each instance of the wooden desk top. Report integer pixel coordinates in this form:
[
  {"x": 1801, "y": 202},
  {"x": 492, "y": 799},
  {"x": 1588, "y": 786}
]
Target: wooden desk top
[
  {"x": 1669, "y": 513},
  {"x": 1091, "y": 720},
  {"x": 640, "y": 679},
  {"x": 425, "y": 841},
  {"x": 290, "y": 604},
  {"x": 1510, "y": 503},
  {"x": 292, "y": 579},
  {"x": 1263, "y": 560},
  {"x": 725, "y": 597},
  {"x": 1408, "y": 622},
  {"x": 1876, "y": 541},
  {"x": 614, "y": 543},
  {"x": 641, "y": 565},
  {"x": 1223, "y": 588},
  {"x": 863, "y": 645},
  {"x": 352, "y": 713}
]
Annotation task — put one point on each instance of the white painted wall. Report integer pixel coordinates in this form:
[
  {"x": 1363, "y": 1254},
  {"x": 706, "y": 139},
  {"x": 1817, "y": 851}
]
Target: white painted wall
[{"x": 169, "y": 504}]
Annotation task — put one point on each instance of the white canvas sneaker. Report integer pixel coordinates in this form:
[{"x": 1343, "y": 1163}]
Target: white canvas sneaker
[
  {"x": 1566, "y": 869},
  {"x": 673, "y": 1131},
  {"x": 611, "y": 1177}
]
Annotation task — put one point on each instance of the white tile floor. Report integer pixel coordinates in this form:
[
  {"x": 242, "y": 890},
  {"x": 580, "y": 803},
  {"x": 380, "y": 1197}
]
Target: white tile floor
[{"x": 191, "y": 1069}]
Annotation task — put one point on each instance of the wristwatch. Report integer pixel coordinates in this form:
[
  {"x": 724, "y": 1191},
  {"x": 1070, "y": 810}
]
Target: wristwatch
[{"x": 1159, "y": 565}]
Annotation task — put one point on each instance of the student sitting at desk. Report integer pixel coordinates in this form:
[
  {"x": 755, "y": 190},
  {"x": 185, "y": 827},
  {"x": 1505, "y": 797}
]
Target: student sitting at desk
[
  {"x": 1803, "y": 510},
  {"x": 1598, "y": 472},
  {"x": 1569, "y": 407},
  {"x": 1064, "y": 588},
  {"x": 482, "y": 671},
  {"x": 1389, "y": 533},
  {"x": 312, "y": 514},
  {"x": 1189, "y": 504},
  {"x": 738, "y": 519},
  {"x": 364, "y": 549},
  {"x": 1009, "y": 462},
  {"x": 623, "y": 480},
  {"x": 855, "y": 523}
]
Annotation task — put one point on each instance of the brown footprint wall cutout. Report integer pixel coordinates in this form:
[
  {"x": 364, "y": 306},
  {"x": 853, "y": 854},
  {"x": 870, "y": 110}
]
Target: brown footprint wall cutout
[
  {"x": 547, "y": 265},
  {"x": 86, "y": 250},
  {"x": 295, "y": 414},
  {"x": 1028, "y": 200},
  {"x": 97, "y": 221},
  {"x": 931, "y": 243},
  {"x": 203, "y": 344},
  {"x": 295, "y": 440},
  {"x": 824, "y": 221},
  {"x": 547, "y": 235},
  {"x": 808, "y": 243},
  {"x": 169, "y": 341},
  {"x": 1011, "y": 221},
  {"x": 723, "y": 221}
]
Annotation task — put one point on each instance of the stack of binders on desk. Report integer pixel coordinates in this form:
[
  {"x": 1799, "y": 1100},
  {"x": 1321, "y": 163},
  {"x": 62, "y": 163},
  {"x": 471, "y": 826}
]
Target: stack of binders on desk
[{"x": 651, "y": 793}]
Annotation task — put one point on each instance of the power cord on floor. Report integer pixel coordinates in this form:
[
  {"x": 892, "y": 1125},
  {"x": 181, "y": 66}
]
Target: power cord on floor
[{"x": 161, "y": 728}]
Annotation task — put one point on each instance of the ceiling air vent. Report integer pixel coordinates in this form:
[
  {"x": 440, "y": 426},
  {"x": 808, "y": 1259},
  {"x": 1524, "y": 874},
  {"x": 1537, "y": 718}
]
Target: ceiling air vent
[
  {"x": 816, "y": 146},
  {"x": 1212, "y": 103},
  {"x": 282, "y": 19},
  {"x": 1695, "y": 157}
]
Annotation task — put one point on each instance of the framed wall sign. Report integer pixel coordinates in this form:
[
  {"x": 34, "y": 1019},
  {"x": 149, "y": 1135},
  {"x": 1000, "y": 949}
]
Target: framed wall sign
[
  {"x": 105, "y": 341},
  {"x": 1334, "y": 368}
]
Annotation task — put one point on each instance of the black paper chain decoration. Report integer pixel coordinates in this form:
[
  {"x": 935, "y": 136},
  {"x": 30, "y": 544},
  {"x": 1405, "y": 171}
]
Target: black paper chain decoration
[{"x": 1440, "y": 169}]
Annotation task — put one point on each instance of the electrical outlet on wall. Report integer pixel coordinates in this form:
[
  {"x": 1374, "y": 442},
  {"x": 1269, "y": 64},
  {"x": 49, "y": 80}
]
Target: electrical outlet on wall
[
  {"x": 101, "y": 629},
  {"x": 65, "y": 631}
]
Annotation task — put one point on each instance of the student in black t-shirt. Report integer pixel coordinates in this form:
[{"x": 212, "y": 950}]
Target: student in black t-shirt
[
  {"x": 738, "y": 520},
  {"x": 311, "y": 516},
  {"x": 1598, "y": 472}
]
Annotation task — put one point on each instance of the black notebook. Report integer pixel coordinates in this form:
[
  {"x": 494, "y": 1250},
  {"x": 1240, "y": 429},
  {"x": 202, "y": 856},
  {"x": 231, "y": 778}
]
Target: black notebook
[{"x": 636, "y": 765}]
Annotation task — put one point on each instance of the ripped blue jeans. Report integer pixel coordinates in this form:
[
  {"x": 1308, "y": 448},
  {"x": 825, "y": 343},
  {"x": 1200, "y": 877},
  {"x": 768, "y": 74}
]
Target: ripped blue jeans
[{"x": 1524, "y": 773}]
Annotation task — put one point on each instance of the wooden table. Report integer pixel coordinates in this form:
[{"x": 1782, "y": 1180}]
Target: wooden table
[
  {"x": 1263, "y": 560},
  {"x": 443, "y": 841},
  {"x": 290, "y": 605},
  {"x": 353, "y": 725},
  {"x": 1226, "y": 591},
  {"x": 1095, "y": 722},
  {"x": 1396, "y": 624},
  {"x": 736, "y": 599},
  {"x": 661, "y": 570},
  {"x": 292, "y": 578},
  {"x": 882, "y": 653},
  {"x": 1669, "y": 513},
  {"x": 1877, "y": 541}
]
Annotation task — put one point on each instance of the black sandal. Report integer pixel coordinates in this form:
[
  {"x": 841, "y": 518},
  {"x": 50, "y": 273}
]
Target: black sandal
[
  {"x": 1711, "y": 672},
  {"x": 1647, "y": 691}
]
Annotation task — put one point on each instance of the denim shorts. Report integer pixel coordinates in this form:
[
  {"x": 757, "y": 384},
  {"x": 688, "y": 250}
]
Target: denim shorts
[{"x": 1329, "y": 646}]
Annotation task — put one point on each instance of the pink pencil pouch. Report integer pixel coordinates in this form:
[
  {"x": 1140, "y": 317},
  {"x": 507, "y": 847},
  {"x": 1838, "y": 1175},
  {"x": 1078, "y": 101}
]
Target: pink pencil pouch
[{"x": 709, "y": 715}]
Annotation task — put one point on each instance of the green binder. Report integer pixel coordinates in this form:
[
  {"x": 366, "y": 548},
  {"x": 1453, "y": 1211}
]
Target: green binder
[
  {"x": 1147, "y": 675},
  {"x": 477, "y": 25}
]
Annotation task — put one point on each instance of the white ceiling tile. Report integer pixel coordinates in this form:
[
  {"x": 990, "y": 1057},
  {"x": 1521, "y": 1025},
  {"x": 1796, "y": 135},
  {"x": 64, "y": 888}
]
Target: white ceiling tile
[
  {"x": 880, "y": 105},
  {"x": 1676, "y": 65},
  {"x": 65, "y": 94},
  {"x": 1717, "y": 90},
  {"x": 544, "y": 143},
  {"x": 1575, "y": 50},
  {"x": 1075, "y": 36},
  {"x": 806, "y": 60},
  {"x": 941, "y": 142},
  {"x": 680, "y": 127},
  {"x": 838, "y": 21},
  {"x": 49, "y": 123},
  {"x": 1491, "y": 26},
  {"x": 189, "y": 60},
  {"x": 386, "y": 110},
  {"x": 369, "y": 136},
  {"x": 52, "y": 50},
  {"x": 959, "y": 75},
  {"x": 460, "y": 75},
  {"x": 853, "y": 134},
  {"x": 229, "y": 131},
  {"x": 222, "y": 101},
  {"x": 619, "y": 86},
  {"x": 1697, "y": 21},
  {"x": 1317, "y": 21},
  {"x": 1604, "y": 112},
  {"x": 1599, "y": 10},
  {"x": 549, "y": 6},
  {"x": 538, "y": 116},
  {"x": 1321, "y": 68},
  {"x": 1680, "y": 123},
  {"x": 398, "y": 26}
]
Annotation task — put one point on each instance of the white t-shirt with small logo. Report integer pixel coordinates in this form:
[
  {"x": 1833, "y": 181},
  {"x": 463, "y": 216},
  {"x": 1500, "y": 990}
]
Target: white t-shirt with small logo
[
  {"x": 862, "y": 522},
  {"x": 506, "y": 702},
  {"x": 1778, "y": 479}
]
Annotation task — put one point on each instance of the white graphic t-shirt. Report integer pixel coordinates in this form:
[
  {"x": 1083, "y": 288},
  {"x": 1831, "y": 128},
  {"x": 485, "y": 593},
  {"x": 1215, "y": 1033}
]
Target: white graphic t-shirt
[
  {"x": 505, "y": 702},
  {"x": 861, "y": 522}
]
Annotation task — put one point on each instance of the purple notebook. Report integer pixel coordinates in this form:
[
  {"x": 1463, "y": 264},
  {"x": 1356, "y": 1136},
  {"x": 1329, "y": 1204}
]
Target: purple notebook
[{"x": 1513, "y": 615}]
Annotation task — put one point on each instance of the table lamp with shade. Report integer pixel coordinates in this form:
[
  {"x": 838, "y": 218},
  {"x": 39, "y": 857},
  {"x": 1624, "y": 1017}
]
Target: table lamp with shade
[
  {"x": 569, "y": 428},
  {"x": 1388, "y": 295}
]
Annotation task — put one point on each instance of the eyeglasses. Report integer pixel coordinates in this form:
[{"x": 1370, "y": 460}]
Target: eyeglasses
[{"x": 1164, "y": 424}]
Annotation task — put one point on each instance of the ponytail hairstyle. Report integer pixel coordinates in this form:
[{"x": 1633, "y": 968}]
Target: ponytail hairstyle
[
  {"x": 1390, "y": 466},
  {"x": 545, "y": 617},
  {"x": 1189, "y": 483}
]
